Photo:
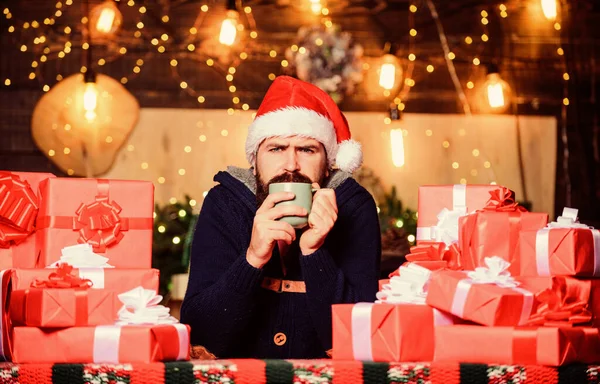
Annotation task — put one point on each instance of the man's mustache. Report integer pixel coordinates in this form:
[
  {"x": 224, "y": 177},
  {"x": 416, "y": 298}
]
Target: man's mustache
[{"x": 293, "y": 177}]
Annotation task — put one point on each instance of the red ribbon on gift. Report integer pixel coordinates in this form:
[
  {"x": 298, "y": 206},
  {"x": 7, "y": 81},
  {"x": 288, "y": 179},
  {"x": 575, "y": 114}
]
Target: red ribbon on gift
[
  {"x": 436, "y": 251},
  {"x": 62, "y": 278},
  {"x": 563, "y": 304},
  {"x": 503, "y": 200},
  {"x": 99, "y": 223},
  {"x": 18, "y": 209}
]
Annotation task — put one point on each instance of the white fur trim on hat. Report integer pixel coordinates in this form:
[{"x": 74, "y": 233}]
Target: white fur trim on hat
[
  {"x": 292, "y": 121},
  {"x": 349, "y": 156}
]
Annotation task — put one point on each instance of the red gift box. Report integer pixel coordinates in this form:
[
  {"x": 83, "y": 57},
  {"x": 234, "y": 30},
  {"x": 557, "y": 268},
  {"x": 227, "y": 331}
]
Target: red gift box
[
  {"x": 55, "y": 307},
  {"x": 435, "y": 200},
  {"x": 552, "y": 346},
  {"x": 19, "y": 206},
  {"x": 487, "y": 304},
  {"x": 385, "y": 332},
  {"x": 494, "y": 231},
  {"x": 114, "y": 279},
  {"x": 114, "y": 216},
  {"x": 565, "y": 248},
  {"x": 102, "y": 344},
  {"x": 5, "y": 346}
]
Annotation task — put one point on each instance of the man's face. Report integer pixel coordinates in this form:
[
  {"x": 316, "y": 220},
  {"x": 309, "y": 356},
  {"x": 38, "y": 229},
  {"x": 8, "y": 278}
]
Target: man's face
[{"x": 294, "y": 158}]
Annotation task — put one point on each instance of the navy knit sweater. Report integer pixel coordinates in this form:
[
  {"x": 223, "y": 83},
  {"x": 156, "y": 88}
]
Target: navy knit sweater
[{"x": 233, "y": 316}]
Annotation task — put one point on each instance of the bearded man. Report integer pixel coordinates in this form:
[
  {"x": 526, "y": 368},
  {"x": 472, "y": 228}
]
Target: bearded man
[{"x": 258, "y": 288}]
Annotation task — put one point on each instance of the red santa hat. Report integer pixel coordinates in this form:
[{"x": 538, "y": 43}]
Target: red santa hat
[{"x": 293, "y": 107}]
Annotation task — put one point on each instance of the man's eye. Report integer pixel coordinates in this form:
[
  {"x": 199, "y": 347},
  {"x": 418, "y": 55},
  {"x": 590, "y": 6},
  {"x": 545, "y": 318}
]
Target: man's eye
[
  {"x": 276, "y": 149},
  {"x": 307, "y": 150}
]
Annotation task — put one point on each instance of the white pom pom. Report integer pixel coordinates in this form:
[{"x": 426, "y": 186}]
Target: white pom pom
[{"x": 349, "y": 156}]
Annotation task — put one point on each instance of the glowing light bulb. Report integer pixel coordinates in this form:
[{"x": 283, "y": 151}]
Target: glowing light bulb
[
  {"x": 387, "y": 72},
  {"x": 90, "y": 101},
  {"x": 397, "y": 140},
  {"x": 229, "y": 28},
  {"x": 550, "y": 9},
  {"x": 106, "y": 18},
  {"x": 497, "y": 91}
]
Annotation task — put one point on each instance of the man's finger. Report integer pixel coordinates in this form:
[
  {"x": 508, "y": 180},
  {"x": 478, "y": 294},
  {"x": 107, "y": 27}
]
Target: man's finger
[{"x": 274, "y": 198}]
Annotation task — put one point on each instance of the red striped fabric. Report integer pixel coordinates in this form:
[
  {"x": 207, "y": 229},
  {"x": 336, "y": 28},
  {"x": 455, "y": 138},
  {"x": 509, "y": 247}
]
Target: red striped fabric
[
  {"x": 347, "y": 372},
  {"x": 148, "y": 373},
  {"x": 541, "y": 375},
  {"x": 35, "y": 374},
  {"x": 250, "y": 371},
  {"x": 444, "y": 373}
]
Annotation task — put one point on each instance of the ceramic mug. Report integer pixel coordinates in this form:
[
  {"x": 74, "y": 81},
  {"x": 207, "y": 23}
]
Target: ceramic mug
[{"x": 303, "y": 197}]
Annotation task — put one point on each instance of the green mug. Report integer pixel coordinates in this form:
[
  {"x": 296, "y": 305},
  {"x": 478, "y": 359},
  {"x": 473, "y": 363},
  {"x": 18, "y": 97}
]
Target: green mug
[{"x": 303, "y": 197}]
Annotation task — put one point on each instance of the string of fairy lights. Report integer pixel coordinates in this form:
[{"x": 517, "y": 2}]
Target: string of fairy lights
[{"x": 54, "y": 45}]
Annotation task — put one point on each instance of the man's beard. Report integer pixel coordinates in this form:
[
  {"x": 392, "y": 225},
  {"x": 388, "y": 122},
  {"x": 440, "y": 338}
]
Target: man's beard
[{"x": 262, "y": 189}]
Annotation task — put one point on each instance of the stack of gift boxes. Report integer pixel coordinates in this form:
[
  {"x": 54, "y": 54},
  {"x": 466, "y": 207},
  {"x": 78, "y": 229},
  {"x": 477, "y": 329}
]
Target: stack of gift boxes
[
  {"x": 77, "y": 283},
  {"x": 488, "y": 282}
]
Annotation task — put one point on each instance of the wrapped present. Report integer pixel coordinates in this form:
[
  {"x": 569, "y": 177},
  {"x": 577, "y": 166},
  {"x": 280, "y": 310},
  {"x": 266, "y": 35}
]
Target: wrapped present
[
  {"x": 114, "y": 216},
  {"x": 62, "y": 300},
  {"x": 440, "y": 207},
  {"x": 489, "y": 295},
  {"x": 551, "y": 346},
  {"x": 565, "y": 247},
  {"x": 144, "y": 332},
  {"x": 385, "y": 332},
  {"x": 19, "y": 207},
  {"x": 114, "y": 279},
  {"x": 494, "y": 231}
]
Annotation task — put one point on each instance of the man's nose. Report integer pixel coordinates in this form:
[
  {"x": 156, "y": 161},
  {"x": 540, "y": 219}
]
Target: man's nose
[{"x": 291, "y": 163}]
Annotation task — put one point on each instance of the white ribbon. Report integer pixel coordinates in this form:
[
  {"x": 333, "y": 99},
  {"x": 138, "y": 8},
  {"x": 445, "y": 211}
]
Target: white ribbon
[
  {"x": 106, "y": 344},
  {"x": 542, "y": 241},
  {"x": 495, "y": 273},
  {"x": 184, "y": 341},
  {"x": 408, "y": 288},
  {"x": 140, "y": 306},
  {"x": 95, "y": 275},
  {"x": 81, "y": 256},
  {"x": 361, "y": 331},
  {"x": 446, "y": 229}
]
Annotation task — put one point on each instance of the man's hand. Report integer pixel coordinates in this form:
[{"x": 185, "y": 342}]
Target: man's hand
[
  {"x": 321, "y": 219},
  {"x": 266, "y": 231}
]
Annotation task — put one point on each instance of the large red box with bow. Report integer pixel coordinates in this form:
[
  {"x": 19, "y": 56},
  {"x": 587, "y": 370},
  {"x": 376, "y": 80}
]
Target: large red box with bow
[
  {"x": 114, "y": 216},
  {"x": 495, "y": 231},
  {"x": 63, "y": 307},
  {"x": 486, "y": 304},
  {"x": 385, "y": 332},
  {"x": 560, "y": 251},
  {"x": 19, "y": 206},
  {"x": 435, "y": 199},
  {"x": 101, "y": 344},
  {"x": 551, "y": 346}
]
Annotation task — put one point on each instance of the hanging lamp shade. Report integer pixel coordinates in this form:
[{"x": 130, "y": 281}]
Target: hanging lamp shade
[{"x": 81, "y": 125}]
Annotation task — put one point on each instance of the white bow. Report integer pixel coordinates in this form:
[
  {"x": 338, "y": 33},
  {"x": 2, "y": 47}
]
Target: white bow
[
  {"x": 410, "y": 287},
  {"x": 568, "y": 220},
  {"x": 446, "y": 229},
  {"x": 140, "y": 306},
  {"x": 495, "y": 273},
  {"x": 81, "y": 256}
]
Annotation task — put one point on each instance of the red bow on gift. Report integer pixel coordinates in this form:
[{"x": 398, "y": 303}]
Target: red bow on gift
[
  {"x": 99, "y": 223},
  {"x": 564, "y": 304},
  {"x": 433, "y": 252},
  {"x": 18, "y": 209},
  {"x": 62, "y": 278},
  {"x": 503, "y": 199}
]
